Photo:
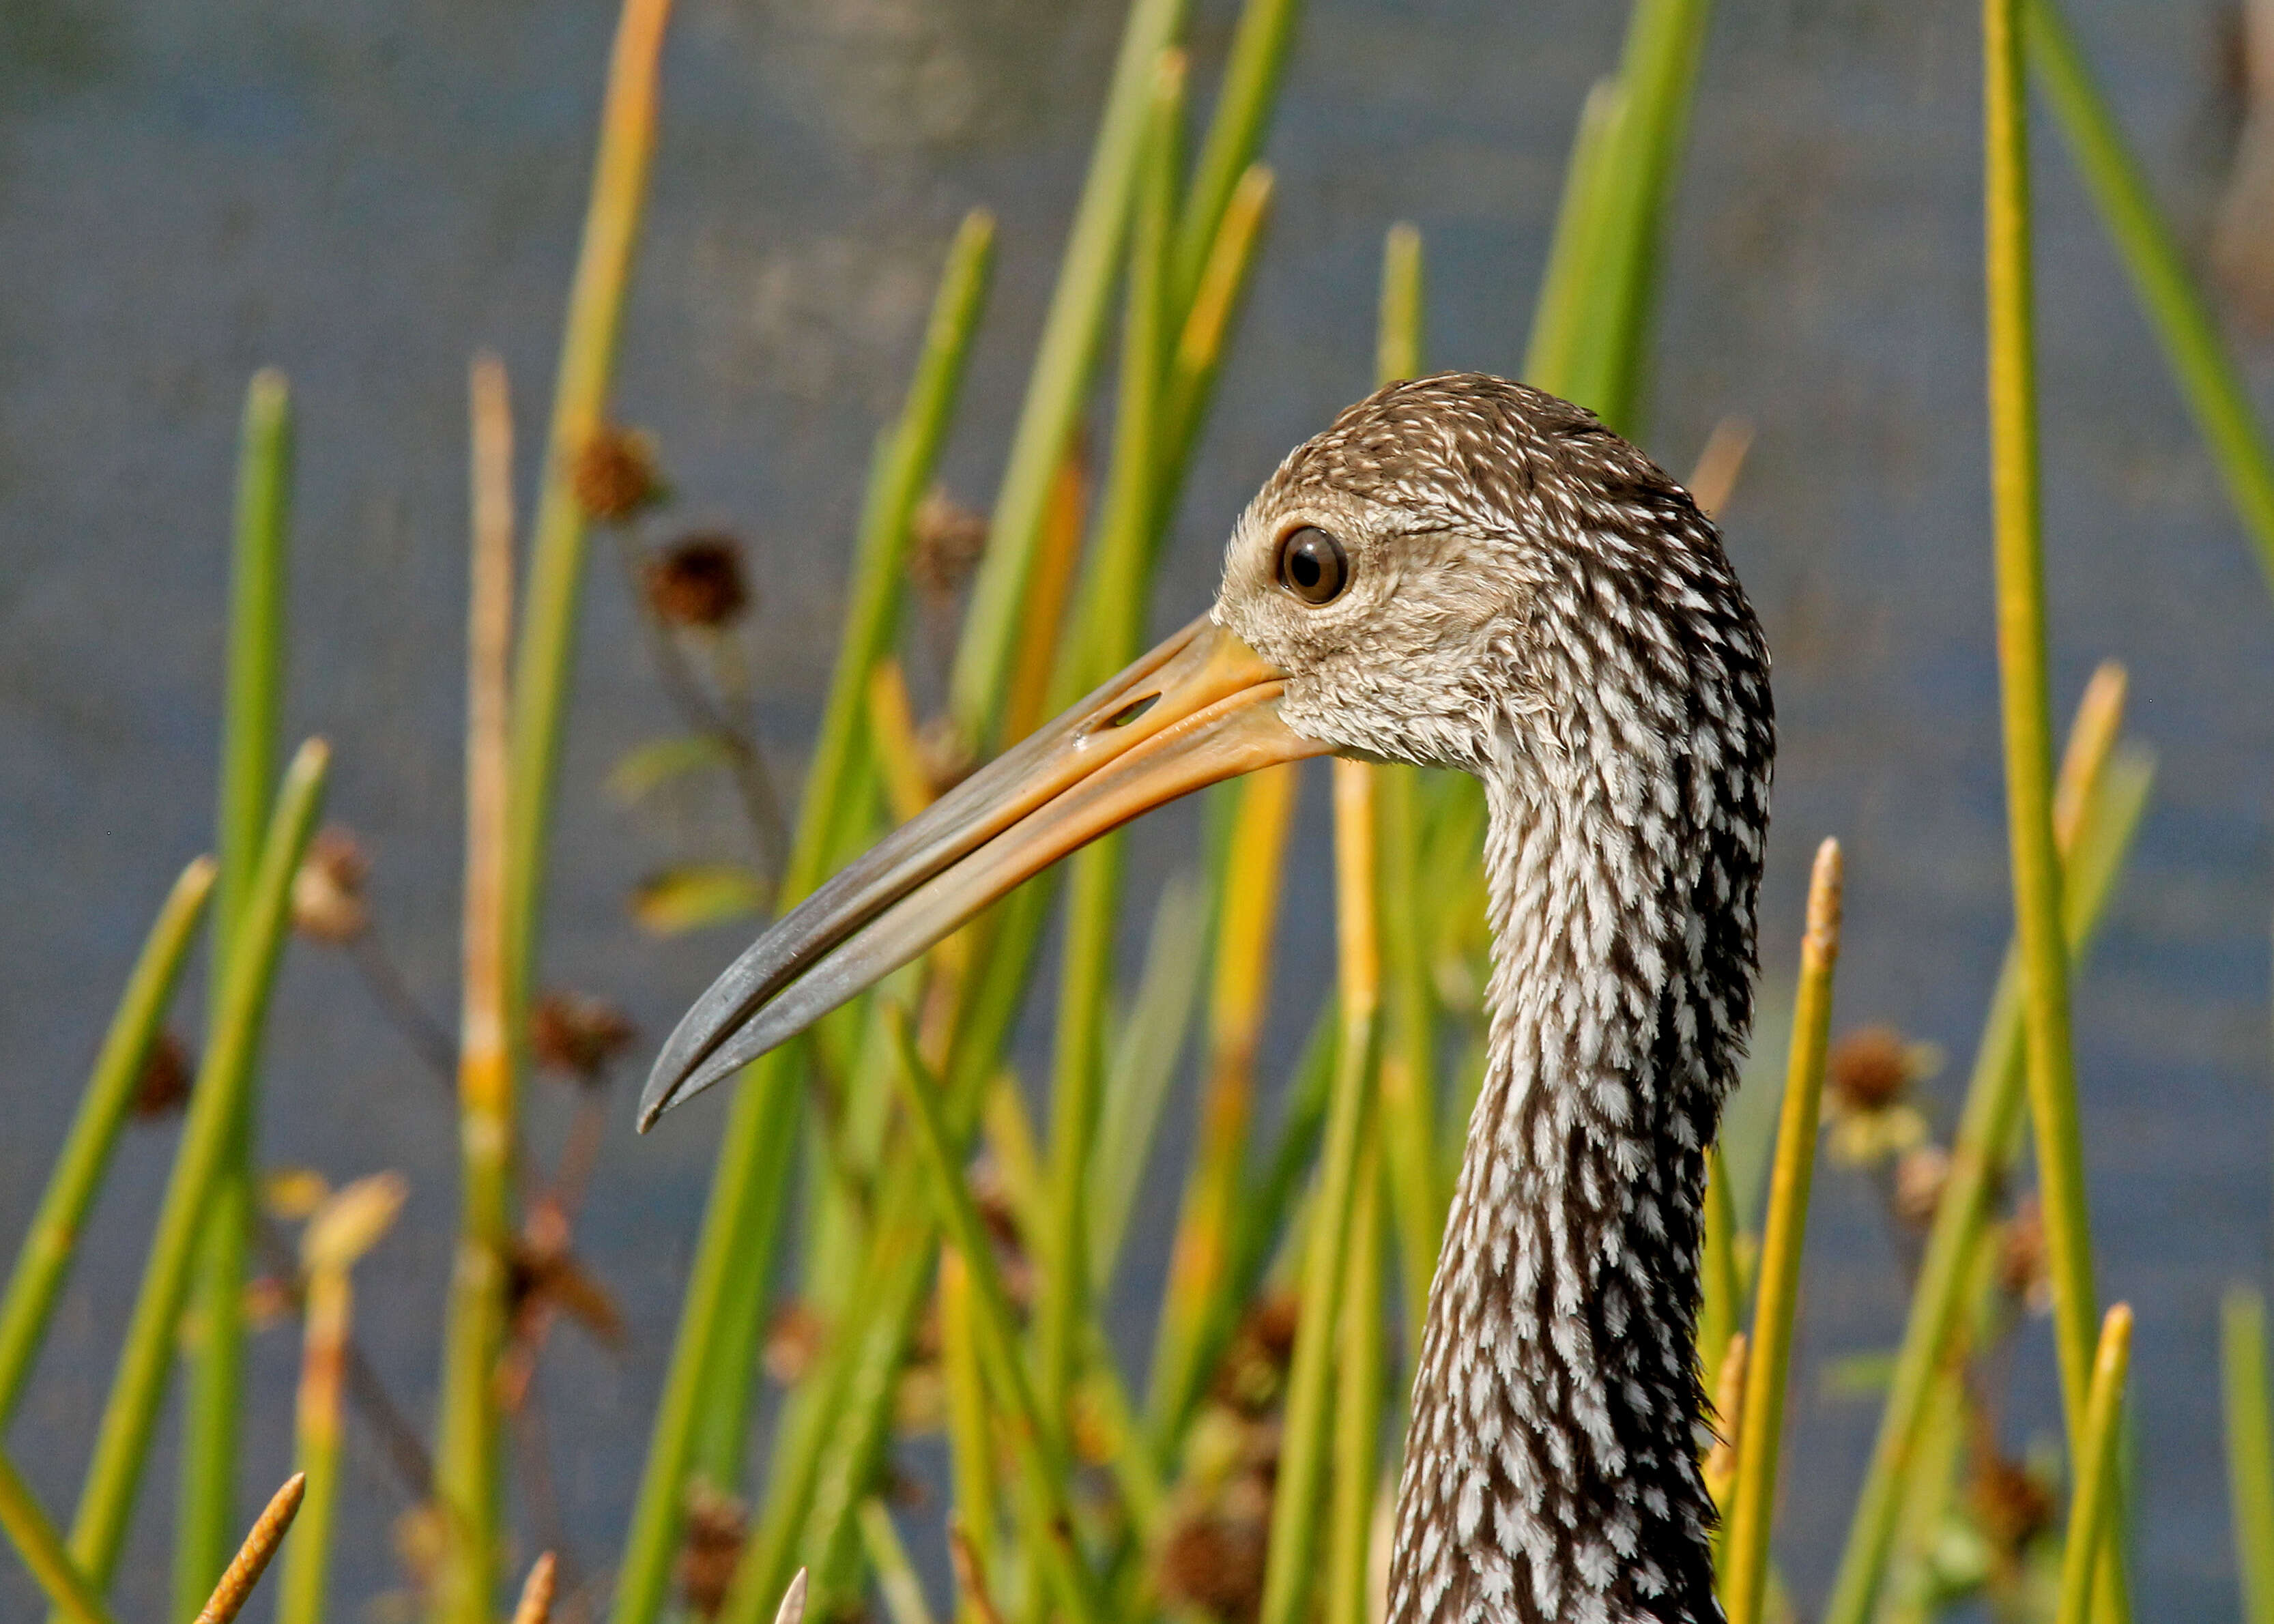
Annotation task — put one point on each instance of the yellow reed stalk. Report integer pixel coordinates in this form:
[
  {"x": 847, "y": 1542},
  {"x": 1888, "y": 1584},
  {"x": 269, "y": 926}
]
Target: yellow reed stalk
[
  {"x": 1418, "y": 1196},
  {"x": 1064, "y": 517},
  {"x": 2093, "y": 1500},
  {"x": 2249, "y": 1447},
  {"x": 1037, "y": 1442},
  {"x": 971, "y": 1578},
  {"x": 536, "y": 1603},
  {"x": 1715, "y": 478},
  {"x": 252, "y": 1557},
  {"x": 1754, "y": 1496},
  {"x": 1721, "y": 1469},
  {"x": 341, "y": 1231},
  {"x": 104, "y": 1103},
  {"x": 1720, "y": 1298},
  {"x": 2024, "y": 689},
  {"x": 468, "y": 1454},
  {"x": 1263, "y": 815},
  {"x": 888, "y": 1558},
  {"x": 971, "y": 1426},
  {"x": 1294, "y": 1531},
  {"x": 34, "y": 1537},
  {"x": 1358, "y": 1400},
  {"x": 892, "y": 729}
]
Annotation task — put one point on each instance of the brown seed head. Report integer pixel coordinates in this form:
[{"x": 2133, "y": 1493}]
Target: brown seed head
[
  {"x": 1254, "y": 1368},
  {"x": 2024, "y": 1269},
  {"x": 793, "y": 1342},
  {"x": 945, "y": 540},
  {"x": 578, "y": 1035},
  {"x": 327, "y": 891},
  {"x": 616, "y": 476},
  {"x": 698, "y": 580},
  {"x": 163, "y": 1088},
  {"x": 1214, "y": 1563},
  {"x": 711, "y": 1547},
  {"x": 1921, "y": 1173},
  {"x": 270, "y": 1302},
  {"x": 2012, "y": 1503},
  {"x": 1869, "y": 1069}
]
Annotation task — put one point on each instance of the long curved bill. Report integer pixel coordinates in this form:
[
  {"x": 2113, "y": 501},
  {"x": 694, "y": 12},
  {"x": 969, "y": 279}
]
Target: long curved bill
[{"x": 1201, "y": 708}]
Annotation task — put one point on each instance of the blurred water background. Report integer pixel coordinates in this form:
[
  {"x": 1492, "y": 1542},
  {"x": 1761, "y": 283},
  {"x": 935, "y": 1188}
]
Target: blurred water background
[{"x": 362, "y": 193}]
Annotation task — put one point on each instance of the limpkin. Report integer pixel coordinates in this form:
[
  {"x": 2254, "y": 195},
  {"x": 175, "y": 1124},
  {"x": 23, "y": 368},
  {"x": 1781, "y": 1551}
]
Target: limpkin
[{"x": 1459, "y": 572}]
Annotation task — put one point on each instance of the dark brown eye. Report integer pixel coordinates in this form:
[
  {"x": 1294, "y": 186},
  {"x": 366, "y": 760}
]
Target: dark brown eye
[{"x": 1312, "y": 564}]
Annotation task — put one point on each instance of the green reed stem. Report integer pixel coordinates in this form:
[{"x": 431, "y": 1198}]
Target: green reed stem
[
  {"x": 2198, "y": 357},
  {"x": 1105, "y": 637},
  {"x": 1745, "y": 1557},
  {"x": 46, "y": 1255},
  {"x": 209, "y": 1139},
  {"x": 856, "y": 1423},
  {"x": 1307, "y": 1424},
  {"x": 1122, "y": 1441},
  {"x": 1560, "y": 312},
  {"x": 341, "y": 1231},
  {"x": 1037, "y": 1442},
  {"x": 1721, "y": 1301},
  {"x": 1267, "y": 1207},
  {"x": 545, "y": 664},
  {"x": 2107, "y": 803},
  {"x": 1143, "y": 1071},
  {"x": 2092, "y": 1502},
  {"x": 468, "y": 1481},
  {"x": 205, "y": 1529},
  {"x": 834, "y": 1428},
  {"x": 300, "y": 1595},
  {"x": 709, "y": 1370},
  {"x": 838, "y": 783},
  {"x": 1251, "y": 84},
  {"x": 970, "y": 1421},
  {"x": 1064, "y": 361},
  {"x": 2249, "y": 1449},
  {"x": 1359, "y": 1380},
  {"x": 1201, "y": 1255},
  {"x": 730, "y": 1376},
  {"x": 27, "y": 1525},
  {"x": 1657, "y": 73},
  {"x": 1198, "y": 353},
  {"x": 812, "y": 1492},
  {"x": 2022, "y": 660},
  {"x": 1408, "y": 1080},
  {"x": 1400, "y": 333},
  {"x": 253, "y": 706},
  {"x": 905, "y": 462},
  {"x": 896, "y": 1575}
]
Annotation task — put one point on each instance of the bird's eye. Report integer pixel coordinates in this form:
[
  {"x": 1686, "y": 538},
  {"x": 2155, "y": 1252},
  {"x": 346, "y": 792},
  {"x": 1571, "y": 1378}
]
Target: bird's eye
[{"x": 1312, "y": 564}]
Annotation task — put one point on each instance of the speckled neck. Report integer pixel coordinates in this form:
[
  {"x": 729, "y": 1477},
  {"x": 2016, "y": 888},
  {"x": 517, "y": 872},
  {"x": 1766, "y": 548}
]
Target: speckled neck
[{"x": 1551, "y": 1473}]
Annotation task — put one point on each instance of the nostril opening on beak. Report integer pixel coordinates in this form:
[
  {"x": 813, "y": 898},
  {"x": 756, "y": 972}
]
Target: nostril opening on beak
[{"x": 1128, "y": 713}]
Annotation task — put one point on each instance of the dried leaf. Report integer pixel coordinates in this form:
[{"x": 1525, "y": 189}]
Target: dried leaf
[
  {"x": 682, "y": 899},
  {"x": 353, "y": 1222},
  {"x": 645, "y": 769}
]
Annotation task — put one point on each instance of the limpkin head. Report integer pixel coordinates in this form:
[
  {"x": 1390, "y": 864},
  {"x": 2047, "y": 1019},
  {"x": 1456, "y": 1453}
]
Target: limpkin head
[{"x": 1459, "y": 572}]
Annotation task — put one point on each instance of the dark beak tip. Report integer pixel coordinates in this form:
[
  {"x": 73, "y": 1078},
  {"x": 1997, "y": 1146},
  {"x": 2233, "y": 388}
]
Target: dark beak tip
[{"x": 663, "y": 1091}]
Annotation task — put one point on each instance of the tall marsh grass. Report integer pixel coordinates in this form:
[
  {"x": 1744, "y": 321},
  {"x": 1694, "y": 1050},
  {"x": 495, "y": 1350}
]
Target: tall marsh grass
[{"x": 949, "y": 1249}]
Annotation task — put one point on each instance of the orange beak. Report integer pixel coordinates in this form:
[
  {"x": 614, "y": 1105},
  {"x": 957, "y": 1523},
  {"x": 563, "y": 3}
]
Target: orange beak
[{"x": 1201, "y": 708}]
